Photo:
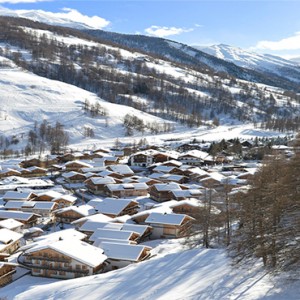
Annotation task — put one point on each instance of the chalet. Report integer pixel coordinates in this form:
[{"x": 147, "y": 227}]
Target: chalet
[
  {"x": 9, "y": 240},
  {"x": 9, "y": 172},
  {"x": 90, "y": 227},
  {"x": 64, "y": 259},
  {"x": 186, "y": 194},
  {"x": 169, "y": 225},
  {"x": 162, "y": 191},
  {"x": 47, "y": 195},
  {"x": 136, "y": 179},
  {"x": 6, "y": 272},
  {"x": 31, "y": 162},
  {"x": 111, "y": 160},
  {"x": 13, "y": 183},
  {"x": 18, "y": 196},
  {"x": 74, "y": 177},
  {"x": 142, "y": 159},
  {"x": 173, "y": 178},
  {"x": 72, "y": 213},
  {"x": 126, "y": 190},
  {"x": 64, "y": 200},
  {"x": 188, "y": 147},
  {"x": 76, "y": 165},
  {"x": 96, "y": 185},
  {"x": 213, "y": 181},
  {"x": 12, "y": 224},
  {"x": 70, "y": 157},
  {"x": 123, "y": 170},
  {"x": 92, "y": 218},
  {"x": 114, "y": 234},
  {"x": 115, "y": 207},
  {"x": 28, "y": 219},
  {"x": 196, "y": 158},
  {"x": 34, "y": 171},
  {"x": 120, "y": 255},
  {"x": 190, "y": 207},
  {"x": 44, "y": 208}
]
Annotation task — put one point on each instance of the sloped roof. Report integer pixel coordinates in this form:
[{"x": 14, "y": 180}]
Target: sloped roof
[
  {"x": 123, "y": 251},
  {"x": 170, "y": 219},
  {"x": 78, "y": 250}
]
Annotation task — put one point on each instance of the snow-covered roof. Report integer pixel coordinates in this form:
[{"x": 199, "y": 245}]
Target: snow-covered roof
[
  {"x": 126, "y": 186},
  {"x": 10, "y": 224},
  {"x": 171, "y": 219},
  {"x": 66, "y": 234},
  {"x": 7, "y": 236},
  {"x": 112, "y": 234},
  {"x": 167, "y": 186},
  {"x": 96, "y": 217},
  {"x": 17, "y": 195},
  {"x": 84, "y": 210},
  {"x": 102, "y": 180},
  {"x": 78, "y": 250},
  {"x": 121, "y": 169},
  {"x": 71, "y": 174},
  {"x": 18, "y": 215},
  {"x": 123, "y": 251},
  {"x": 46, "y": 205},
  {"x": 111, "y": 206}
]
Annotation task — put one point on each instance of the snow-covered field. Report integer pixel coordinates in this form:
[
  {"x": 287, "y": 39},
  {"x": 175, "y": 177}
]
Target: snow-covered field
[{"x": 174, "y": 272}]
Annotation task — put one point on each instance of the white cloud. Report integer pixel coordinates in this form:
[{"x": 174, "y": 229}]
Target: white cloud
[
  {"x": 64, "y": 18},
  {"x": 289, "y": 43},
  {"x": 163, "y": 31}
]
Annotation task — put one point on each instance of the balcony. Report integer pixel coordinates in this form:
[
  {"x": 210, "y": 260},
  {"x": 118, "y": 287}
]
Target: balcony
[
  {"x": 52, "y": 259},
  {"x": 59, "y": 269}
]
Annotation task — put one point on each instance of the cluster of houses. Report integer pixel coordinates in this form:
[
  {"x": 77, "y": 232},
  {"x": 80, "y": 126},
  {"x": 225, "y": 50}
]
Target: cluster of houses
[{"x": 85, "y": 213}]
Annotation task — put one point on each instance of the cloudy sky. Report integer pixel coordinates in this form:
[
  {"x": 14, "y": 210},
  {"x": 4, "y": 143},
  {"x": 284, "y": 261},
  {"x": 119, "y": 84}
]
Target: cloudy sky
[{"x": 263, "y": 26}]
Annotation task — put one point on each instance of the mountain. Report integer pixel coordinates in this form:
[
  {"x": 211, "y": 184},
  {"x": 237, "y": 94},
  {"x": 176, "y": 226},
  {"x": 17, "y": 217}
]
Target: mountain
[
  {"x": 287, "y": 76},
  {"x": 98, "y": 88},
  {"x": 295, "y": 59},
  {"x": 260, "y": 62},
  {"x": 68, "y": 18}
]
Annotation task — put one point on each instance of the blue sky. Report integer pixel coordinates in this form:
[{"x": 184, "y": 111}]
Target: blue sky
[{"x": 263, "y": 26}]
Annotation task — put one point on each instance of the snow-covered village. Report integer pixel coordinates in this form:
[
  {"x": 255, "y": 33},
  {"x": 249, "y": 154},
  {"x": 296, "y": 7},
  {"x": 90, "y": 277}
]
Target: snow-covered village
[{"x": 143, "y": 165}]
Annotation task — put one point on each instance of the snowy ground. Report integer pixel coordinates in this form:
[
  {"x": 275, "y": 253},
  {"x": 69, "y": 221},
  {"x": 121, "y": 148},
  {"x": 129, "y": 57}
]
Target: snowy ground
[{"x": 173, "y": 273}]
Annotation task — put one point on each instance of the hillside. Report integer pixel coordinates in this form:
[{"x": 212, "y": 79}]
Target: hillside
[
  {"x": 178, "y": 92},
  {"x": 27, "y": 99},
  {"x": 260, "y": 62},
  {"x": 174, "y": 273}
]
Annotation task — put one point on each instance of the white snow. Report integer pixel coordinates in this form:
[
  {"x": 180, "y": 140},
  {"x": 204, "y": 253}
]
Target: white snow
[{"x": 174, "y": 273}]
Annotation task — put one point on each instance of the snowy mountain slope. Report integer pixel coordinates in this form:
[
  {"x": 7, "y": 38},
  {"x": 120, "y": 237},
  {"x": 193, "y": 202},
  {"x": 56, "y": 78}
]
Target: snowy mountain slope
[
  {"x": 251, "y": 60},
  {"x": 66, "y": 18},
  {"x": 174, "y": 273},
  {"x": 27, "y": 98}
]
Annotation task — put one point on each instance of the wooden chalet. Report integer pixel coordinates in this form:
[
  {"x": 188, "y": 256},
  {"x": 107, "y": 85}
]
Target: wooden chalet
[
  {"x": 162, "y": 191},
  {"x": 6, "y": 272},
  {"x": 76, "y": 165},
  {"x": 9, "y": 240},
  {"x": 169, "y": 225},
  {"x": 64, "y": 259},
  {"x": 96, "y": 185},
  {"x": 120, "y": 255},
  {"x": 9, "y": 172},
  {"x": 115, "y": 207},
  {"x": 44, "y": 208},
  {"x": 74, "y": 177},
  {"x": 124, "y": 190},
  {"x": 65, "y": 200},
  {"x": 12, "y": 224},
  {"x": 73, "y": 213},
  {"x": 18, "y": 196},
  {"x": 28, "y": 219}
]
